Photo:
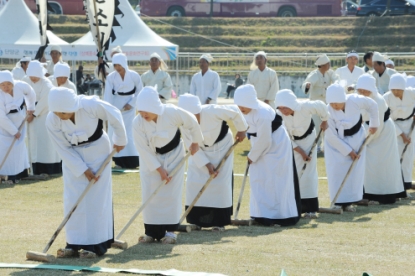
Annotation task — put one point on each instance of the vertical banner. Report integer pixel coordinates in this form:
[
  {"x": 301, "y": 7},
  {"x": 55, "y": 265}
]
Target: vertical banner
[{"x": 42, "y": 9}]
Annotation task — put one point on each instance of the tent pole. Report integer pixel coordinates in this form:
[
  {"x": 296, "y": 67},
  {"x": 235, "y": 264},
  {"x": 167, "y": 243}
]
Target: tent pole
[{"x": 177, "y": 75}]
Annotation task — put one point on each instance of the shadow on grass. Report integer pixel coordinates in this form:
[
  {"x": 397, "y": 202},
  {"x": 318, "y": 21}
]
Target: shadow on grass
[
  {"x": 244, "y": 153},
  {"x": 23, "y": 182},
  {"x": 142, "y": 252}
]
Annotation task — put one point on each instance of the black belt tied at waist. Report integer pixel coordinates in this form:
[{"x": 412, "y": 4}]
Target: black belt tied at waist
[
  {"x": 170, "y": 145},
  {"x": 400, "y": 119},
  {"x": 385, "y": 117},
  {"x": 276, "y": 123},
  {"x": 124, "y": 93},
  {"x": 308, "y": 132},
  {"x": 223, "y": 131},
  {"x": 97, "y": 134},
  {"x": 355, "y": 129},
  {"x": 17, "y": 110}
]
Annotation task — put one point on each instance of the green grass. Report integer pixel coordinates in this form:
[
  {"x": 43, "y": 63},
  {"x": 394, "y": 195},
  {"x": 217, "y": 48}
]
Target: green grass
[{"x": 377, "y": 239}]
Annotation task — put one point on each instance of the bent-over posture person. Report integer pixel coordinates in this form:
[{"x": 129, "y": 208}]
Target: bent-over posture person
[
  {"x": 214, "y": 208},
  {"x": 75, "y": 126},
  {"x": 157, "y": 139},
  {"x": 343, "y": 138},
  {"x": 297, "y": 117},
  {"x": 275, "y": 194},
  {"x": 14, "y": 95},
  {"x": 383, "y": 177}
]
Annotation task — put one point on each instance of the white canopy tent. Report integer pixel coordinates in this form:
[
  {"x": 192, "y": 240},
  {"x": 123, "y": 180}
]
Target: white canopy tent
[
  {"x": 136, "y": 39},
  {"x": 19, "y": 32}
]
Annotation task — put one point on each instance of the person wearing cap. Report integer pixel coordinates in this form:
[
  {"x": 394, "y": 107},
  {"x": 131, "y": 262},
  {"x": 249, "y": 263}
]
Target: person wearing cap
[
  {"x": 44, "y": 158},
  {"x": 401, "y": 101},
  {"x": 390, "y": 64},
  {"x": 297, "y": 117},
  {"x": 110, "y": 68},
  {"x": 351, "y": 72},
  {"x": 381, "y": 73},
  {"x": 384, "y": 185},
  {"x": 75, "y": 127},
  {"x": 121, "y": 89},
  {"x": 214, "y": 208},
  {"x": 157, "y": 139},
  {"x": 56, "y": 55},
  {"x": 275, "y": 194},
  {"x": 367, "y": 59},
  {"x": 206, "y": 83},
  {"x": 61, "y": 77},
  {"x": 14, "y": 96},
  {"x": 157, "y": 75},
  {"x": 264, "y": 79},
  {"x": 19, "y": 72},
  {"x": 343, "y": 138}
]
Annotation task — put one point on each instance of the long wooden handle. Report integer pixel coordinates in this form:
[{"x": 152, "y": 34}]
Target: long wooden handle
[
  {"x": 68, "y": 216},
  {"x": 208, "y": 182},
  {"x": 173, "y": 172},
  {"x": 410, "y": 134},
  {"x": 311, "y": 152},
  {"x": 12, "y": 144},
  {"x": 242, "y": 191},
  {"x": 350, "y": 169}
]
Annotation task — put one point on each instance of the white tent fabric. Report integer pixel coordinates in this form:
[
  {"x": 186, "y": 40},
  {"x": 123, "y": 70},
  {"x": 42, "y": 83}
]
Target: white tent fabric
[
  {"x": 21, "y": 37},
  {"x": 136, "y": 39}
]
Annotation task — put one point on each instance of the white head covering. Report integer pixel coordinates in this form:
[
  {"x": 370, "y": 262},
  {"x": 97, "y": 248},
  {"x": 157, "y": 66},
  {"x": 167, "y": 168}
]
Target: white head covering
[
  {"x": 245, "y": 96},
  {"x": 322, "y": 59},
  {"x": 390, "y": 62},
  {"x": 56, "y": 48},
  {"x": 148, "y": 100},
  {"x": 190, "y": 103},
  {"x": 379, "y": 57},
  {"x": 410, "y": 82},
  {"x": 367, "y": 82},
  {"x": 253, "y": 64},
  {"x": 62, "y": 99},
  {"x": 23, "y": 59},
  {"x": 61, "y": 70},
  {"x": 116, "y": 49},
  {"x": 335, "y": 94},
  {"x": 36, "y": 69},
  {"x": 163, "y": 65},
  {"x": 6, "y": 75},
  {"x": 287, "y": 98},
  {"x": 397, "y": 81},
  {"x": 352, "y": 54},
  {"x": 207, "y": 57},
  {"x": 120, "y": 59}
]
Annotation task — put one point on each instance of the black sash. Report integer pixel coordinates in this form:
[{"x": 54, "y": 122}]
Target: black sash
[
  {"x": 124, "y": 93},
  {"x": 223, "y": 131},
  {"x": 170, "y": 145},
  {"x": 400, "y": 119},
  {"x": 355, "y": 129},
  {"x": 308, "y": 132},
  {"x": 17, "y": 110},
  {"x": 276, "y": 123},
  {"x": 97, "y": 134},
  {"x": 385, "y": 117}
]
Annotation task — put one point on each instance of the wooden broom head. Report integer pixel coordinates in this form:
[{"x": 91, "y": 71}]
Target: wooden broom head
[{"x": 40, "y": 257}]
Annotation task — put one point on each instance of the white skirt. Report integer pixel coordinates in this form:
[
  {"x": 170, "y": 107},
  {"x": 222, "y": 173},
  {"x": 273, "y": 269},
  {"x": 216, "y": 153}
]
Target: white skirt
[
  {"x": 130, "y": 149},
  {"x": 408, "y": 158}
]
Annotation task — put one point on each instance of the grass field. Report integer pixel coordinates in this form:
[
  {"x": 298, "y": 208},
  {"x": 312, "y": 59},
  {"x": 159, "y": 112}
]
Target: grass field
[{"x": 379, "y": 240}]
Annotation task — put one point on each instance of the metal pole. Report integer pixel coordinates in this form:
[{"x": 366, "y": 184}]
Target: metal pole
[{"x": 177, "y": 75}]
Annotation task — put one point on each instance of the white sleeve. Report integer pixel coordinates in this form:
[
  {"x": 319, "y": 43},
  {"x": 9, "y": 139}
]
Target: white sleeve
[
  {"x": 334, "y": 140},
  {"x": 263, "y": 140},
  {"x": 317, "y": 107},
  {"x": 311, "y": 79},
  {"x": 6, "y": 123},
  {"x": 188, "y": 122},
  {"x": 199, "y": 158},
  {"x": 167, "y": 87},
  {"x": 138, "y": 87},
  {"x": 371, "y": 107},
  {"x": 42, "y": 106},
  {"x": 398, "y": 130},
  {"x": 216, "y": 88},
  {"x": 29, "y": 96},
  {"x": 274, "y": 86},
  {"x": 231, "y": 113}
]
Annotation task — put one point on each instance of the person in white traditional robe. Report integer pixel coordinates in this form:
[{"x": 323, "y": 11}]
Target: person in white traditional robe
[
  {"x": 14, "y": 95},
  {"x": 214, "y": 208},
  {"x": 343, "y": 138},
  {"x": 56, "y": 55},
  {"x": 297, "y": 117},
  {"x": 381, "y": 73},
  {"x": 316, "y": 83},
  {"x": 264, "y": 79},
  {"x": 158, "y": 75},
  {"x": 275, "y": 194},
  {"x": 75, "y": 126},
  {"x": 61, "y": 77},
  {"x": 121, "y": 89},
  {"x": 390, "y": 64},
  {"x": 19, "y": 72},
  {"x": 108, "y": 69},
  {"x": 401, "y": 101},
  {"x": 367, "y": 59},
  {"x": 157, "y": 138},
  {"x": 351, "y": 72},
  {"x": 383, "y": 178},
  {"x": 43, "y": 156},
  {"x": 206, "y": 83}
]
